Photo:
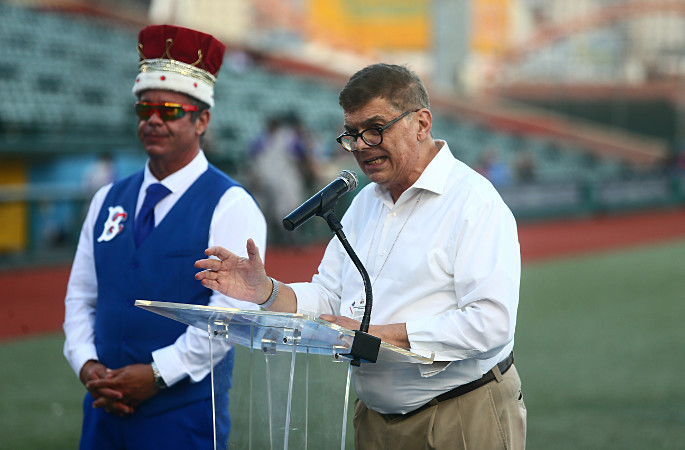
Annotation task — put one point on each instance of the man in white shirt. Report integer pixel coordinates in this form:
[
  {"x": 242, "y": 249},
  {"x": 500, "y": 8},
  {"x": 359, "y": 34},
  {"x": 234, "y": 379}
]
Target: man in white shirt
[
  {"x": 148, "y": 376},
  {"x": 442, "y": 253}
]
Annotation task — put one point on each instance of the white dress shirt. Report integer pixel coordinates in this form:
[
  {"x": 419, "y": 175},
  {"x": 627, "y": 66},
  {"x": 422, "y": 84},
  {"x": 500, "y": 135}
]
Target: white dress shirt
[
  {"x": 445, "y": 260},
  {"x": 189, "y": 355}
]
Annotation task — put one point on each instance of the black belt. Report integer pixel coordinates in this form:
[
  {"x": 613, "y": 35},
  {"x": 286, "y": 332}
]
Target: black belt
[
  {"x": 461, "y": 390},
  {"x": 472, "y": 386}
]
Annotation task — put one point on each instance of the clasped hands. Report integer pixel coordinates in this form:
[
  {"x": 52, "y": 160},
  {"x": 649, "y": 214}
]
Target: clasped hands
[{"x": 118, "y": 391}]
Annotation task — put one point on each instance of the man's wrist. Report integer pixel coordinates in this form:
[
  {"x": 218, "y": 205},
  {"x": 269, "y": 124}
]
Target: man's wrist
[
  {"x": 83, "y": 373},
  {"x": 274, "y": 293}
]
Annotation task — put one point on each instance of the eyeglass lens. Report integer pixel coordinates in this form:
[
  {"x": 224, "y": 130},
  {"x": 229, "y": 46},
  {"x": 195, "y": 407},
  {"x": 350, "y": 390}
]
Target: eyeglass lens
[{"x": 372, "y": 137}]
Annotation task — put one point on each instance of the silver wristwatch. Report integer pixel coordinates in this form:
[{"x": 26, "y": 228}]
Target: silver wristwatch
[{"x": 159, "y": 381}]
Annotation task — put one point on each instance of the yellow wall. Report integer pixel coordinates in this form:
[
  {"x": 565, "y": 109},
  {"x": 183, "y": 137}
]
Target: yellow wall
[
  {"x": 13, "y": 216},
  {"x": 366, "y": 25},
  {"x": 491, "y": 21}
]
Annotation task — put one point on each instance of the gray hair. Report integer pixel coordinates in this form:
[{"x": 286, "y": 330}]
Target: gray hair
[{"x": 397, "y": 84}]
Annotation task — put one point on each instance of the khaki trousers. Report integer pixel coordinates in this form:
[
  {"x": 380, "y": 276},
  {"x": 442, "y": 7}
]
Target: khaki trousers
[{"x": 489, "y": 418}]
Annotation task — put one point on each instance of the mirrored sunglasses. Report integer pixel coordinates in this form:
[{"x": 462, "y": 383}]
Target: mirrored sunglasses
[{"x": 166, "y": 111}]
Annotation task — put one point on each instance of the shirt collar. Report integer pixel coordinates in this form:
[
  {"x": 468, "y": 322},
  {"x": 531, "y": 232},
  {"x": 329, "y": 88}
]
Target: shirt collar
[
  {"x": 435, "y": 175},
  {"x": 433, "y": 178},
  {"x": 180, "y": 179}
]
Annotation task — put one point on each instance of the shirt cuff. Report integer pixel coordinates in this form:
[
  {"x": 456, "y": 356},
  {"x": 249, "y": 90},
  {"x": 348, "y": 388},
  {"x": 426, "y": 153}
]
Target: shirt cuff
[
  {"x": 169, "y": 365},
  {"x": 81, "y": 356},
  {"x": 422, "y": 339}
]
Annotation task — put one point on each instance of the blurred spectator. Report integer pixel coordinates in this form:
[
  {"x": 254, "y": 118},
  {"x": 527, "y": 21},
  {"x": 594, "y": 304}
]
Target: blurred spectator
[
  {"x": 680, "y": 162},
  {"x": 282, "y": 171},
  {"x": 494, "y": 169},
  {"x": 676, "y": 163},
  {"x": 526, "y": 167},
  {"x": 239, "y": 61},
  {"x": 102, "y": 172}
]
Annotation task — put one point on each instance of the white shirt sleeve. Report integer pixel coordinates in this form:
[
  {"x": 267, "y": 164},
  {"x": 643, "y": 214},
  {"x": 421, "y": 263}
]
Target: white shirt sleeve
[
  {"x": 322, "y": 295},
  {"x": 487, "y": 274},
  {"x": 81, "y": 297},
  {"x": 236, "y": 219}
]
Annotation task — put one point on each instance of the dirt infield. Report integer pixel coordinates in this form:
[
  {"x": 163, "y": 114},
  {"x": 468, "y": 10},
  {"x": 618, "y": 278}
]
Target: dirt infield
[{"x": 32, "y": 299}]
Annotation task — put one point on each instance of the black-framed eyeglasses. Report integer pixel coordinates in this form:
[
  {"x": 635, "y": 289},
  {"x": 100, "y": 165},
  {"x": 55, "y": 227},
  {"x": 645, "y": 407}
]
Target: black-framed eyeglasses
[{"x": 371, "y": 136}]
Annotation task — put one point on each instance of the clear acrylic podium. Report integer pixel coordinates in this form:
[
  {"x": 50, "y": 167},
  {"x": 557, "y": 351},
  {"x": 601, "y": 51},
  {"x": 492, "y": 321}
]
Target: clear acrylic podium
[{"x": 287, "y": 389}]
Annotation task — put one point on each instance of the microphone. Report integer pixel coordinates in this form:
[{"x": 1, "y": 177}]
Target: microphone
[{"x": 322, "y": 201}]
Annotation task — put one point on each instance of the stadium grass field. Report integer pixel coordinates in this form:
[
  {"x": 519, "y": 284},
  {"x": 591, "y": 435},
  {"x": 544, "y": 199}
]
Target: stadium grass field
[{"x": 599, "y": 347}]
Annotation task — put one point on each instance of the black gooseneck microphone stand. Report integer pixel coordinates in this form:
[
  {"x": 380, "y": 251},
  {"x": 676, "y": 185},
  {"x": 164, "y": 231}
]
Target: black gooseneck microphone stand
[{"x": 365, "y": 347}]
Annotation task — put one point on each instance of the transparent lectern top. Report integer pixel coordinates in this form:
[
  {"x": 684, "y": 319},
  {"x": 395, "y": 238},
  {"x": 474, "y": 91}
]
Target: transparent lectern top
[{"x": 274, "y": 331}]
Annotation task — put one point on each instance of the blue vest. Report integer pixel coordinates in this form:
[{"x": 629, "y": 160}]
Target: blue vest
[{"x": 161, "y": 269}]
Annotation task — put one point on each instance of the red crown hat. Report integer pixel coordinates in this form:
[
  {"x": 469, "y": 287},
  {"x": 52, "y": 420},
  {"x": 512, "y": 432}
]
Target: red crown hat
[{"x": 178, "y": 59}]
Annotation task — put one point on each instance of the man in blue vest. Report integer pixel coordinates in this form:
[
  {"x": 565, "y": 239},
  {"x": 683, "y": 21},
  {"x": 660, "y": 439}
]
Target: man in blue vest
[{"x": 148, "y": 376}]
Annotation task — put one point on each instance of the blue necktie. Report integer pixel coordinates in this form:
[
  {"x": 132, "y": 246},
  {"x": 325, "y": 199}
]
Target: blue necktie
[{"x": 145, "y": 221}]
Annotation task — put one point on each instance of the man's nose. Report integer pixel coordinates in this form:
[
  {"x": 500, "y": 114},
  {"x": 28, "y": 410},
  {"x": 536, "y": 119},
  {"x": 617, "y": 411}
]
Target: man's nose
[
  {"x": 360, "y": 144},
  {"x": 155, "y": 117}
]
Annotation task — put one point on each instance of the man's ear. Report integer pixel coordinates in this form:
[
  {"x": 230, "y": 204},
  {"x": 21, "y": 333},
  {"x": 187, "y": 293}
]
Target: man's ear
[
  {"x": 202, "y": 122},
  {"x": 425, "y": 123}
]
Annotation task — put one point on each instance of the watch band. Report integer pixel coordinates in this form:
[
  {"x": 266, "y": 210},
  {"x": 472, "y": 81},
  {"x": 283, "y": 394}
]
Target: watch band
[
  {"x": 159, "y": 381},
  {"x": 274, "y": 293}
]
